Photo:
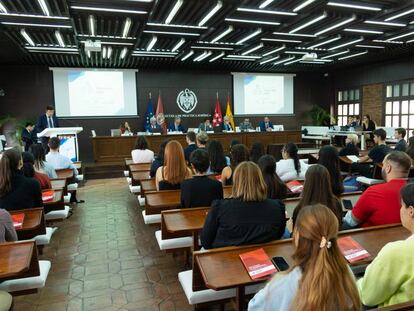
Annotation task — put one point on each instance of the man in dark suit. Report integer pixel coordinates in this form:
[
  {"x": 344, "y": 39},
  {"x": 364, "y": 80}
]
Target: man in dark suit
[
  {"x": 191, "y": 141},
  {"x": 205, "y": 126},
  {"x": 153, "y": 127},
  {"x": 176, "y": 126},
  {"x": 399, "y": 135},
  {"x": 266, "y": 125},
  {"x": 28, "y": 136},
  {"x": 47, "y": 120}
]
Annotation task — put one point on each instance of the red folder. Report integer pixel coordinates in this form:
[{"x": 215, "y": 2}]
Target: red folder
[
  {"x": 257, "y": 263},
  {"x": 48, "y": 195},
  {"x": 352, "y": 250},
  {"x": 18, "y": 220},
  {"x": 295, "y": 186}
]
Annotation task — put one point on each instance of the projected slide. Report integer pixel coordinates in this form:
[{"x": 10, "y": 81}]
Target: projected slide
[{"x": 92, "y": 93}]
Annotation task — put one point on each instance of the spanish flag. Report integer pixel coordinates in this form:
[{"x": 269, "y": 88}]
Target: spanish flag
[{"x": 229, "y": 113}]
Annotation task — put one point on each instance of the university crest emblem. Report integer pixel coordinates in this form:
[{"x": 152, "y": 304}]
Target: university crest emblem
[{"x": 187, "y": 100}]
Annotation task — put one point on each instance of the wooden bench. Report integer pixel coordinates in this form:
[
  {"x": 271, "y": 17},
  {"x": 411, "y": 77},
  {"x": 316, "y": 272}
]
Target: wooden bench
[
  {"x": 33, "y": 223},
  {"x": 56, "y": 203},
  {"x": 405, "y": 306},
  {"x": 138, "y": 176},
  {"x": 139, "y": 167},
  {"x": 66, "y": 173}
]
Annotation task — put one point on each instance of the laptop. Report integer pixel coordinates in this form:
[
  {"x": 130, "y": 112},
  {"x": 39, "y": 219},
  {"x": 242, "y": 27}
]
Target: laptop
[
  {"x": 115, "y": 132},
  {"x": 217, "y": 129}
]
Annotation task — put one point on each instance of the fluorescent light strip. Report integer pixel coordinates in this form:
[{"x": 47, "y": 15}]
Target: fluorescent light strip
[
  {"x": 399, "y": 15},
  {"x": 201, "y": 56},
  {"x": 409, "y": 41},
  {"x": 151, "y": 55},
  {"x": 106, "y": 37},
  {"x": 354, "y": 6},
  {"x": 88, "y": 8},
  {"x": 127, "y": 27},
  {"x": 31, "y": 15},
  {"x": 281, "y": 40},
  {"x": 104, "y": 52},
  {"x": 269, "y": 60},
  {"x": 123, "y": 53},
  {"x": 311, "y": 62},
  {"x": 283, "y": 60},
  {"x": 401, "y": 36},
  {"x": 217, "y": 57},
  {"x": 88, "y": 53},
  {"x": 178, "y": 45},
  {"x": 217, "y": 43},
  {"x": 205, "y": 56},
  {"x": 370, "y": 46},
  {"x": 211, "y": 48},
  {"x": 154, "y": 52},
  {"x": 210, "y": 14},
  {"x": 253, "y": 34},
  {"x": 325, "y": 42},
  {"x": 353, "y": 55},
  {"x": 243, "y": 56},
  {"x": 266, "y": 11},
  {"x": 53, "y": 52},
  {"x": 296, "y": 52},
  {"x": 253, "y": 49},
  {"x": 265, "y": 4},
  {"x": 174, "y": 11},
  {"x": 3, "y": 8},
  {"x": 176, "y": 26},
  {"x": 274, "y": 51},
  {"x": 223, "y": 34},
  {"x": 336, "y": 54},
  {"x": 91, "y": 20},
  {"x": 319, "y": 60},
  {"x": 384, "y": 23},
  {"x": 27, "y": 37},
  {"x": 59, "y": 38},
  {"x": 173, "y": 33},
  {"x": 244, "y": 59},
  {"x": 293, "y": 34},
  {"x": 44, "y": 48},
  {"x": 44, "y": 7},
  {"x": 312, "y": 21},
  {"x": 251, "y": 21},
  {"x": 304, "y": 4},
  {"x": 187, "y": 55},
  {"x": 109, "y": 52},
  {"x": 363, "y": 31},
  {"x": 346, "y": 44},
  {"x": 152, "y": 43},
  {"x": 36, "y": 25},
  {"x": 337, "y": 25},
  {"x": 112, "y": 43},
  {"x": 386, "y": 41},
  {"x": 292, "y": 62}
]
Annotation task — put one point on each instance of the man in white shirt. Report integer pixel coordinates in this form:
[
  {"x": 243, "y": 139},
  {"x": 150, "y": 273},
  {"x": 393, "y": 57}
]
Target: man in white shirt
[{"x": 57, "y": 160}]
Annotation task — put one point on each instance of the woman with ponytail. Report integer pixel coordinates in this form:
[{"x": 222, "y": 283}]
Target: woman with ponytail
[
  {"x": 290, "y": 167},
  {"x": 16, "y": 190},
  {"x": 320, "y": 278}
]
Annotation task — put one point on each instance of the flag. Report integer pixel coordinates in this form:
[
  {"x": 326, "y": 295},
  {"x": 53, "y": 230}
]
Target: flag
[
  {"x": 228, "y": 112},
  {"x": 159, "y": 114},
  {"x": 218, "y": 117},
  {"x": 149, "y": 114}
]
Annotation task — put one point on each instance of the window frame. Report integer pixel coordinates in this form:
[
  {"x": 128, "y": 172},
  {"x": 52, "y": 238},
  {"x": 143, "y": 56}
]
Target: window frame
[{"x": 348, "y": 102}]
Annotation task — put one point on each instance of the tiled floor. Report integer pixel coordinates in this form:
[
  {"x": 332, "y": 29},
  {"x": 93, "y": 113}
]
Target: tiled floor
[{"x": 105, "y": 258}]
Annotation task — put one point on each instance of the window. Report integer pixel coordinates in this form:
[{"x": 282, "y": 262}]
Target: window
[
  {"x": 348, "y": 105},
  {"x": 399, "y": 105}
]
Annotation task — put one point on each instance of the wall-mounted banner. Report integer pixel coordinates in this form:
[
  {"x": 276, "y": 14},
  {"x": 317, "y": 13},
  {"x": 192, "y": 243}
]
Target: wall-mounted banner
[{"x": 187, "y": 100}]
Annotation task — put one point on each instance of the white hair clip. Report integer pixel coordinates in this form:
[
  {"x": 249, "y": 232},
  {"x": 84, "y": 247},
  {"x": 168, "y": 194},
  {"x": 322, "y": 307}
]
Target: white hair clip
[{"x": 325, "y": 243}]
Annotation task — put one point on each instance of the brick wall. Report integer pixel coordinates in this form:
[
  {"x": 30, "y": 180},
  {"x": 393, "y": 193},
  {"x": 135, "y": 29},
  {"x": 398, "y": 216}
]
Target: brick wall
[{"x": 372, "y": 101}]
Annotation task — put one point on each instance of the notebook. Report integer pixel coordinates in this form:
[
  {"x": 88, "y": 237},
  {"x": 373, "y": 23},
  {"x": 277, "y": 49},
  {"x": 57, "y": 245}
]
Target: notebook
[
  {"x": 353, "y": 158},
  {"x": 48, "y": 195},
  {"x": 257, "y": 264},
  {"x": 18, "y": 220},
  {"x": 295, "y": 186},
  {"x": 352, "y": 250}
]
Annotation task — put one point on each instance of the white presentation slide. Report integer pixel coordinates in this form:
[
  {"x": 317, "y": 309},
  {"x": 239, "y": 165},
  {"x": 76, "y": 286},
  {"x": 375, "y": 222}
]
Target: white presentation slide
[
  {"x": 94, "y": 93},
  {"x": 263, "y": 94}
]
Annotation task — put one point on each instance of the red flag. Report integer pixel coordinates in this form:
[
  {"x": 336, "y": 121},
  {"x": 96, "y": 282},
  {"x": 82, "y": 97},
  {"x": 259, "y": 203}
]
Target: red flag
[
  {"x": 218, "y": 117},
  {"x": 159, "y": 114}
]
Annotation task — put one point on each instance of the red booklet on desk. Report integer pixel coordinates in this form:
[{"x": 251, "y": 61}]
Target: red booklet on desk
[
  {"x": 18, "y": 220},
  {"x": 352, "y": 250},
  {"x": 257, "y": 263},
  {"x": 295, "y": 186},
  {"x": 48, "y": 195}
]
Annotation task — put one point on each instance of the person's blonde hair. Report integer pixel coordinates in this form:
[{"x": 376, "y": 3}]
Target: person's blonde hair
[
  {"x": 326, "y": 283},
  {"x": 175, "y": 168},
  {"x": 353, "y": 138},
  {"x": 248, "y": 183}
]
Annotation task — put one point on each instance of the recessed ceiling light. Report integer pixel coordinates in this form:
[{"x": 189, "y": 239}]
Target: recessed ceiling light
[
  {"x": 274, "y": 51},
  {"x": 127, "y": 27},
  {"x": 265, "y": 4},
  {"x": 269, "y": 60},
  {"x": 399, "y": 15},
  {"x": 346, "y": 44},
  {"x": 36, "y": 25},
  {"x": 302, "y": 5},
  {"x": 174, "y": 11},
  {"x": 335, "y": 54},
  {"x": 384, "y": 23},
  {"x": 337, "y": 25},
  {"x": 253, "y": 49},
  {"x": 223, "y": 34},
  {"x": 210, "y": 14},
  {"x": 281, "y": 40},
  {"x": 325, "y": 42},
  {"x": 217, "y": 57},
  {"x": 123, "y": 53},
  {"x": 354, "y": 6},
  {"x": 44, "y": 7},
  {"x": 88, "y": 8},
  {"x": 266, "y": 11},
  {"x": 27, "y": 37},
  {"x": 312, "y": 21},
  {"x": 248, "y": 37},
  {"x": 173, "y": 33},
  {"x": 178, "y": 45},
  {"x": 353, "y": 55},
  {"x": 363, "y": 31},
  {"x": 293, "y": 34},
  {"x": 59, "y": 38},
  {"x": 370, "y": 46},
  {"x": 187, "y": 55},
  {"x": 152, "y": 43},
  {"x": 251, "y": 21},
  {"x": 176, "y": 26}
]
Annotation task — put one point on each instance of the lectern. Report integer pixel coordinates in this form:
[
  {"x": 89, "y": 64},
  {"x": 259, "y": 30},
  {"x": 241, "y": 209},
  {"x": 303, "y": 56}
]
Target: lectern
[{"x": 68, "y": 137}]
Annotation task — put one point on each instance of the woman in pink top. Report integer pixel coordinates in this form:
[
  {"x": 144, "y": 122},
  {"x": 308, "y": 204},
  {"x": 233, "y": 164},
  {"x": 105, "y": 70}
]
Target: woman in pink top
[{"x": 141, "y": 153}]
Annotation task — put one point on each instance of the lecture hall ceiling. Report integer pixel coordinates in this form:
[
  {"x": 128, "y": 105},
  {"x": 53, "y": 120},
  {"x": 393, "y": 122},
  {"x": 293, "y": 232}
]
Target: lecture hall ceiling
[{"x": 243, "y": 35}]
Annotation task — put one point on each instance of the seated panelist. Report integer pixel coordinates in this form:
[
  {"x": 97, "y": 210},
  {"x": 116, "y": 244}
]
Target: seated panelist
[
  {"x": 226, "y": 126},
  {"x": 245, "y": 125},
  {"x": 266, "y": 125},
  {"x": 176, "y": 126},
  {"x": 205, "y": 126},
  {"x": 153, "y": 126}
]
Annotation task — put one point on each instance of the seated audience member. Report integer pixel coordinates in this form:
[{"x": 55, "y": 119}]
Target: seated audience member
[
  {"x": 125, "y": 129},
  {"x": 174, "y": 170},
  {"x": 226, "y": 126},
  {"x": 28, "y": 136},
  {"x": 266, "y": 125},
  {"x": 350, "y": 148},
  {"x": 376, "y": 154},
  {"x": 218, "y": 161},
  {"x": 16, "y": 190},
  {"x": 190, "y": 137},
  {"x": 389, "y": 279},
  {"x": 200, "y": 190},
  {"x": 249, "y": 217},
  {"x": 40, "y": 163},
  {"x": 257, "y": 151},
  {"x": 239, "y": 153},
  {"x": 246, "y": 125},
  {"x": 29, "y": 171},
  {"x": 177, "y": 126},
  {"x": 7, "y": 230},
  {"x": 379, "y": 204},
  {"x": 153, "y": 127},
  {"x": 410, "y": 148},
  {"x": 351, "y": 122},
  {"x": 205, "y": 126},
  {"x": 368, "y": 124},
  {"x": 399, "y": 135},
  {"x": 328, "y": 157},
  {"x": 141, "y": 153},
  {"x": 6, "y": 301},
  {"x": 291, "y": 168},
  {"x": 202, "y": 139},
  {"x": 276, "y": 188},
  {"x": 159, "y": 160},
  {"x": 234, "y": 142},
  {"x": 320, "y": 278},
  {"x": 317, "y": 190},
  {"x": 57, "y": 160}
]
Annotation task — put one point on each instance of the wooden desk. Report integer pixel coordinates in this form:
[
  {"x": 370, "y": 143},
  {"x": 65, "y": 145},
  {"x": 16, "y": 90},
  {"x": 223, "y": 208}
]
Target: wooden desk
[
  {"x": 59, "y": 183},
  {"x": 140, "y": 167},
  {"x": 148, "y": 185},
  {"x": 137, "y": 177},
  {"x": 33, "y": 223},
  {"x": 56, "y": 203},
  {"x": 222, "y": 268},
  {"x": 18, "y": 260},
  {"x": 66, "y": 173},
  {"x": 116, "y": 149}
]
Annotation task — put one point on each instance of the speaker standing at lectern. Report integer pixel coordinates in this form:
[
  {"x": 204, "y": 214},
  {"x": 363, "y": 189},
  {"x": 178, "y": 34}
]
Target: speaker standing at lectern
[{"x": 47, "y": 120}]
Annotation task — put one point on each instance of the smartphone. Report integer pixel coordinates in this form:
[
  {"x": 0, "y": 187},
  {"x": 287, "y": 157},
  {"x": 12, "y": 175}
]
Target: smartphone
[
  {"x": 347, "y": 204},
  {"x": 280, "y": 263}
]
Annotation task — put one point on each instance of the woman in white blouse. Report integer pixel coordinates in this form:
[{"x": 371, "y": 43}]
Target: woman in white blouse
[
  {"x": 291, "y": 168},
  {"x": 141, "y": 153}
]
